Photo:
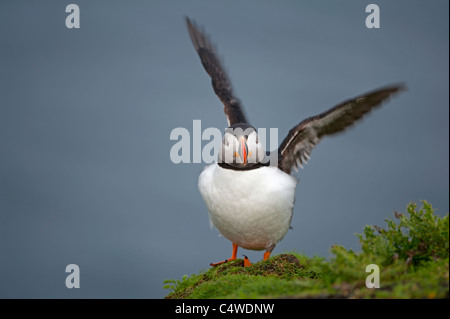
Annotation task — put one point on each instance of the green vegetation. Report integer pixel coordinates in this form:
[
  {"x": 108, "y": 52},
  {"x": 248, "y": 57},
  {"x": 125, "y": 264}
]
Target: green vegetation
[{"x": 412, "y": 254}]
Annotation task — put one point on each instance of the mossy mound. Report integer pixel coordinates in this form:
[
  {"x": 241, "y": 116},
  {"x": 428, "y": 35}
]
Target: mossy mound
[
  {"x": 411, "y": 254},
  {"x": 233, "y": 280}
]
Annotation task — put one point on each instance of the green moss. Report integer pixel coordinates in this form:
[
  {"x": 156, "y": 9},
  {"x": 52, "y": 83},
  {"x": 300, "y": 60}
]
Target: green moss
[
  {"x": 232, "y": 280},
  {"x": 412, "y": 254}
]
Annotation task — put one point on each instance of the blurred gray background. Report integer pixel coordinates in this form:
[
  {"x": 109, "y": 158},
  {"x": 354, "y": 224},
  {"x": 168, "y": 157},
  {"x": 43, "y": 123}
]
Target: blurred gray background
[{"x": 86, "y": 114}]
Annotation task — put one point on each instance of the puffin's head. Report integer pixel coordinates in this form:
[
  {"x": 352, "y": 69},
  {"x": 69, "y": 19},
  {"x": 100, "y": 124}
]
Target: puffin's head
[{"x": 241, "y": 148}]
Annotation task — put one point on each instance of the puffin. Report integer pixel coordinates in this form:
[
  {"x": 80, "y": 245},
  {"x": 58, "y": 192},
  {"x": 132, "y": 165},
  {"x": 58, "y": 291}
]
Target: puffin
[{"x": 250, "y": 199}]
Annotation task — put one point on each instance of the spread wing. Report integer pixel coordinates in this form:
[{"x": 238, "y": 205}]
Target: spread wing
[
  {"x": 220, "y": 81},
  {"x": 300, "y": 141}
]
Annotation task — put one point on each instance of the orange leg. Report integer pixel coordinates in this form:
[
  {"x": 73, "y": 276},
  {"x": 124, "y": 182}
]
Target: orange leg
[
  {"x": 266, "y": 255},
  {"x": 234, "y": 253},
  {"x": 233, "y": 256}
]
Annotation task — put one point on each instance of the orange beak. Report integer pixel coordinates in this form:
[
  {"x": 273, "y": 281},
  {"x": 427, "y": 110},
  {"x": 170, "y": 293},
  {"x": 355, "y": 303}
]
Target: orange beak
[{"x": 244, "y": 150}]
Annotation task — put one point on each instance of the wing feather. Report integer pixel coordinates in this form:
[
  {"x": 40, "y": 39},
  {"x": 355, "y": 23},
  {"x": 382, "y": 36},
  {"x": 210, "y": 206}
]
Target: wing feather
[
  {"x": 220, "y": 82},
  {"x": 296, "y": 148}
]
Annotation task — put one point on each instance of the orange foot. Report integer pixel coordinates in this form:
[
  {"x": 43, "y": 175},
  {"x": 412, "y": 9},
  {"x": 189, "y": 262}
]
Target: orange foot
[
  {"x": 233, "y": 256},
  {"x": 247, "y": 262}
]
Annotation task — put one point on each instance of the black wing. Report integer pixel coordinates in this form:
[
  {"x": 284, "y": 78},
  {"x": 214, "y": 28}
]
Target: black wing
[
  {"x": 220, "y": 81},
  {"x": 298, "y": 144}
]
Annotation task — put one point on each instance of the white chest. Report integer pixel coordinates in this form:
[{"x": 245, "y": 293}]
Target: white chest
[{"x": 251, "y": 208}]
